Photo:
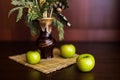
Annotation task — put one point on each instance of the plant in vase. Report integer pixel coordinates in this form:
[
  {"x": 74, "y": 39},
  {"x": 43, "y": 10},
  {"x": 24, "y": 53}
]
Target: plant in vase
[{"x": 41, "y": 15}]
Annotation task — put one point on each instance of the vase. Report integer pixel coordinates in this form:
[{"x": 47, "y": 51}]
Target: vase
[{"x": 45, "y": 41}]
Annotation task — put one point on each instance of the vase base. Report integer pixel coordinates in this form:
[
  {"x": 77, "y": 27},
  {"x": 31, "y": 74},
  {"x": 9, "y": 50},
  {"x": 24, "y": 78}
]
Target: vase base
[{"x": 46, "y": 52}]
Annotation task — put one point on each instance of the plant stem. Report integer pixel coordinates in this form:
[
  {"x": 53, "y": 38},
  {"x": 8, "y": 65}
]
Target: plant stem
[
  {"x": 45, "y": 14},
  {"x": 51, "y": 12}
]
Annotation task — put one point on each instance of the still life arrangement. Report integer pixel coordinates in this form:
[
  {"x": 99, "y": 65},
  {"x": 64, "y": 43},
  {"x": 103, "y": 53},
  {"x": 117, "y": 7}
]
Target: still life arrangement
[{"x": 41, "y": 16}]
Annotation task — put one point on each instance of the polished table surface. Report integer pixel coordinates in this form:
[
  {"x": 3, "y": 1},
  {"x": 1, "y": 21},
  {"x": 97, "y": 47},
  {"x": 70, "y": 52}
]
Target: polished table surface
[{"x": 107, "y": 56}]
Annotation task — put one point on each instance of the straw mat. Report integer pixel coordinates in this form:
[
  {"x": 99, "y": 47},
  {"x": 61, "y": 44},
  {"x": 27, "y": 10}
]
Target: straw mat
[{"x": 47, "y": 65}]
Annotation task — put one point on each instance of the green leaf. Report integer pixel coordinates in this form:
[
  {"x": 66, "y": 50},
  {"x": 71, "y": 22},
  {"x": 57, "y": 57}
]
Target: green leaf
[
  {"x": 14, "y": 9},
  {"x": 60, "y": 27},
  {"x": 33, "y": 28},
  {"x": 20, "y": 13},
  {"x": 31, "y": 17},
  {"x": 16, "y": 3},
  {"x": 23, "y": 3}
]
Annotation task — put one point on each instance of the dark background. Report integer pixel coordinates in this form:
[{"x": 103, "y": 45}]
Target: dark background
[{"x": 92, "y": 20}]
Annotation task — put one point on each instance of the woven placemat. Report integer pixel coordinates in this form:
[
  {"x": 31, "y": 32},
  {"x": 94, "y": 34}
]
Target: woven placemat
[{"x": 47, "y": 66}]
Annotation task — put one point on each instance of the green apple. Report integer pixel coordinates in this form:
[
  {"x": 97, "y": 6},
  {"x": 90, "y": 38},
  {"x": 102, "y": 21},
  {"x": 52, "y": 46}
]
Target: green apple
[
  {"x": 33, "y": 57},
  {"x": 67, "y": 50},
  {"x": 85, "y": 62}
]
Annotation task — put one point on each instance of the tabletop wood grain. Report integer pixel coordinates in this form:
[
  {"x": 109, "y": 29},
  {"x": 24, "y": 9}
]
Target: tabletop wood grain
[{"x": 107, "y": 56}]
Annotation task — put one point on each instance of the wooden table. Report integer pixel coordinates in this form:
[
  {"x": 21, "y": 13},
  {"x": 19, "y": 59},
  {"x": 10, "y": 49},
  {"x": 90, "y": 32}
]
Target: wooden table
[{"x": 107, "y": 66}]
